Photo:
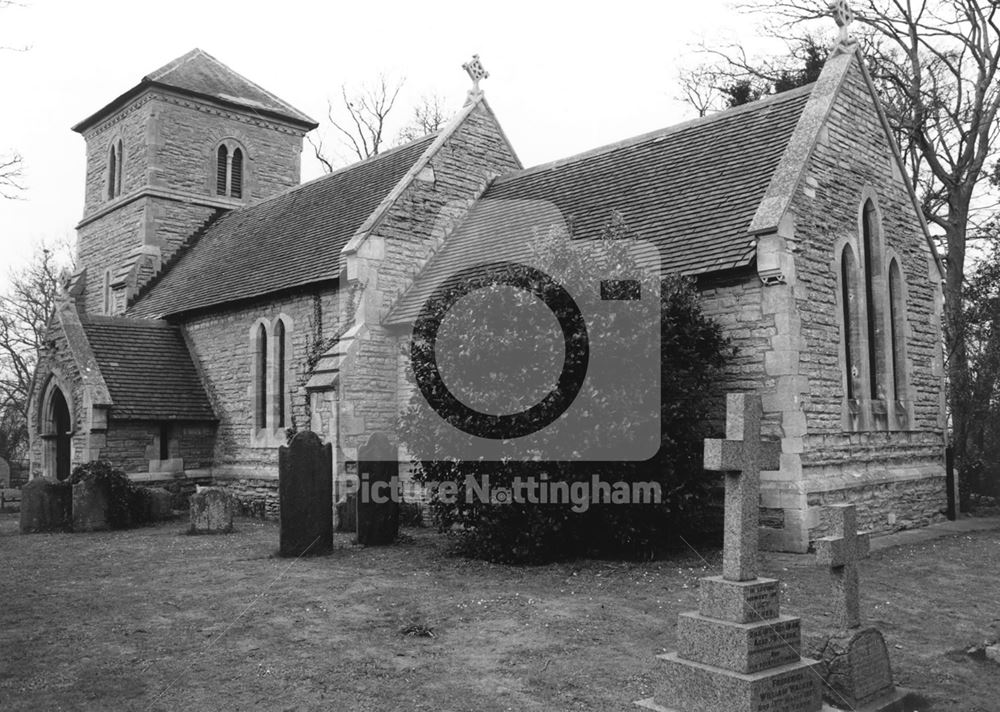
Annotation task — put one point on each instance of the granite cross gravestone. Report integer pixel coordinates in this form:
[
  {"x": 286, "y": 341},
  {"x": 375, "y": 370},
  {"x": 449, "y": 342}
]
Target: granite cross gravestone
[
  {"x": 741, "y": 455},
  {"x": 378, "y": 504},
  {"x": 305, "y": 491},
  {"x": 858, "y": 672},
  {"x": 737, "y": 652},
  {"x": 841, "y": 552}
]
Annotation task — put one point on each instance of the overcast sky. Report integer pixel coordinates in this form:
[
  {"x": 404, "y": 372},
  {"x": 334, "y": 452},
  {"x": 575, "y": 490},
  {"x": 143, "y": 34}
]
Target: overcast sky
[{"x": 564, "y": 77}]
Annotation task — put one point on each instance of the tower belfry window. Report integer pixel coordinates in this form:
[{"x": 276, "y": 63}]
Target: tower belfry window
[
  {"x": 115, "y": 169},
  {"x": 222, "y": 171},
  {"x": 236, "y": 174},
  {"x": 229, "y": 170}
]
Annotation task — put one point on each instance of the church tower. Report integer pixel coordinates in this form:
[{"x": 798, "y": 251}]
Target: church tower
[{"x": 190, "y": 140}]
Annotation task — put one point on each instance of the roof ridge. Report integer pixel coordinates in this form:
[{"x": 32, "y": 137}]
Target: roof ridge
[
  {"x": 86, "y": 318},
  {"x": 661, "y": 133},
  {"x": 197, "y": 50},
  {"x": 326, "y": 176}
]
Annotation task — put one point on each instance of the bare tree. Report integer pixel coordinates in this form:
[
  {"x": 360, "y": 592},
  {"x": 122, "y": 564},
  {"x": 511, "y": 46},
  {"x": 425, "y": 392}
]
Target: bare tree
[
  {"x": 11, "y": 173},
  {"x": 937, "y": 66},
  {"x": 25, "y": 311},
  {"x": 429, "y": 116},
  {"x": 359, "y": 120}
]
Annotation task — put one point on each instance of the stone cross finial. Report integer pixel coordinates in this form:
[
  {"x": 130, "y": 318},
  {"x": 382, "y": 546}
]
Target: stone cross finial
[
  {"x": 841, "y": 553},
  {"x": 742, "y": 455},
  {"x": 476, "y": 72},
  {"x": 843, "y": 15}
]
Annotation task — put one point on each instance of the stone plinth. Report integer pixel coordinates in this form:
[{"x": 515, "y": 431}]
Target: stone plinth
[
  {"x": 741, "y": 647},
  {"x": 694, "y": 687},
  {"x": 739, "y": 654},
  {"x": 91, "y": 506},
  {"x": 46, "y": 506},
  {"x": 212, "y": 511}
]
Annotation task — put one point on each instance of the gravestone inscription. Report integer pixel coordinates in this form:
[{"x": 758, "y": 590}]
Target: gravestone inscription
[{"x": 305, "y": 491}]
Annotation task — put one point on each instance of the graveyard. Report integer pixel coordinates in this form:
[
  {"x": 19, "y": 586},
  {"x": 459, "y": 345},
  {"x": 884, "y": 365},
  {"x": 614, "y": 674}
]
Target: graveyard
[{"x": 152, "y": 618}]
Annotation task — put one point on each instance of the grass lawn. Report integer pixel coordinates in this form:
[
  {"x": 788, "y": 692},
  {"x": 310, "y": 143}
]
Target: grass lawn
[{"x": 154, "y": 619}]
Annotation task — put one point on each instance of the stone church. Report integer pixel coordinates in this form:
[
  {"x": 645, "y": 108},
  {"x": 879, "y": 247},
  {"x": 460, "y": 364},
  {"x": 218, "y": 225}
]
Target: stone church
[{"x": 220, "y": 303}]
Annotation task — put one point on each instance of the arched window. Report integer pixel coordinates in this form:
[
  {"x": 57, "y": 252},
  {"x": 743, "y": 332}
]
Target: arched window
[
  {"x": 897, "y": 330},
  {"x": 871, "y": 244},
  {"x": 222, "y": 171},
  {"x": 260, "y": 379},
  {"x": 230, "y": 169},
  {"x": 107, "y": 291},
  {"x": 280, "y": 369},
  {"x": 121, "y": 165},
  {"x": 851, "y": 304},
  {"x": 236, "y": 174},
  {"x": 115, "y": 169}
]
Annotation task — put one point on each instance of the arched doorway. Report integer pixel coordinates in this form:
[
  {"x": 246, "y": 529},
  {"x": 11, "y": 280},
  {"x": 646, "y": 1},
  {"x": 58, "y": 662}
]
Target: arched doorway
[
  {"x": 57, "y": 432},
  {"x": 62, "y": 427}
]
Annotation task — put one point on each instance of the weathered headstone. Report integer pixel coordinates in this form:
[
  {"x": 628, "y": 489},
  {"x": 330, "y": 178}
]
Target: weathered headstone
[
  {"x": 4, "y": 474},
  {"x": 347, "y": 513},
  {"x": 153, "y": 504},
  {"x": 212, "y": 511},
  {"x": 378, "y": 505},
  {"x": 91, "y": 506},
  {"x": 858, "y": 672},
  {"x": 46, "y": 506},
  {"x": 305, "y": 491},
  {"x": 737, "y": 652}
]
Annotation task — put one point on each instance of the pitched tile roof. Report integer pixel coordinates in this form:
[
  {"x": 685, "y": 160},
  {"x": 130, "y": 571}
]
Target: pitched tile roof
[
  {"x": 290, "y": 240},
  {"x": 148, "y": 369},
  {"x": 200, "y": 74},
  {"x": 692, "y": 189}
]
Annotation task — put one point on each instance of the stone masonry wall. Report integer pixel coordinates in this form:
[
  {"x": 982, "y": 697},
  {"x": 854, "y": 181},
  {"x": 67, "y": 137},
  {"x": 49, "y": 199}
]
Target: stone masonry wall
[
  {"x": 130, "y": 445},
  {"x": 104, "y": 244},
  {"x": 130, "y": 126},
  {"x": 896, "y": 476},
  {"x": 186, "y": 133},
  {"x": 169, "y": 177},
  {"x": 400, "y": 245},
  {"x": 222, "y": 344}
]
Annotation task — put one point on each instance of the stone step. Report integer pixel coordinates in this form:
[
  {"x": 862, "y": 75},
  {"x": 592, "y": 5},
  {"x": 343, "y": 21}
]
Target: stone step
[
  {"x": 740, "y": 647},
  {"x": 688, "y": 686},
  {"x": 739, "y": 601}
]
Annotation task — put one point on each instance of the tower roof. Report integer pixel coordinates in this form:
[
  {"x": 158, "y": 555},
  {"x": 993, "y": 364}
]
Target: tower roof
[{"x": 201, "y": 75}]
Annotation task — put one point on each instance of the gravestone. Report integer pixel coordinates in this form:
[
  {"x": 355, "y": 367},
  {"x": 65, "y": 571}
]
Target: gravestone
[
  {"x": 737, "y": 652},
  {"x": 858, "y": 672},
  {"x": 46, "y": 506},
  {"x": 212, "y": 511},
  {"x": 378, "y": 507},
  {"x": 91, "y": 506},
  {"x": 4, "y": 474},
  {"x": 305, "y": 491},
  {"x": 153, "y": 504}
]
